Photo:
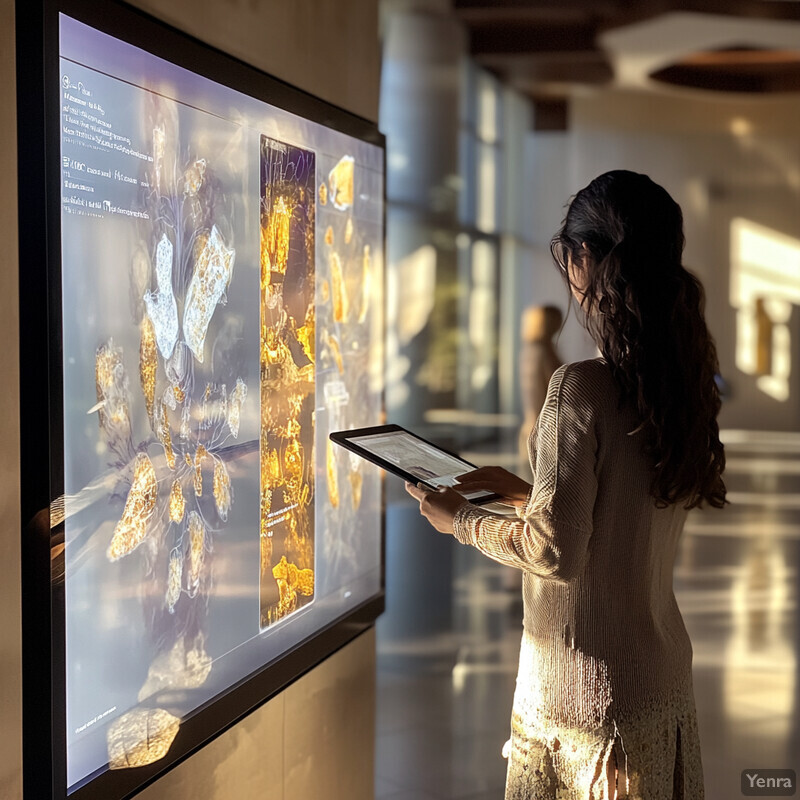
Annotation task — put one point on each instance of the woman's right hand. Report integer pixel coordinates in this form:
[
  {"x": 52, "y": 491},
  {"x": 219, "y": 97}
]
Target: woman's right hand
[{"x": 500, "y": 481}]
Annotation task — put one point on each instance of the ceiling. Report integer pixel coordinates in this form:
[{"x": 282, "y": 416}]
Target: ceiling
[{"x": 547, "y": 48}]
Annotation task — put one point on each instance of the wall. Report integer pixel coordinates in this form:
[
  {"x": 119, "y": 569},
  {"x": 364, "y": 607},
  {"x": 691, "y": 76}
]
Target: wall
[
  {"x": 316, "y": 739},
  {"x": 538, "y": 185},
  {"x": 720, "y": 158},
  {"x": 10, "y": 671},
  {"x": 551, "y": 182},
  {"x": 330, "y": 48}
]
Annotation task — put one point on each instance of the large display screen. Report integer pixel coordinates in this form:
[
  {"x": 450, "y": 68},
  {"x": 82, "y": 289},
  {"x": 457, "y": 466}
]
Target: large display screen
[{"x": 221, "y": 279}]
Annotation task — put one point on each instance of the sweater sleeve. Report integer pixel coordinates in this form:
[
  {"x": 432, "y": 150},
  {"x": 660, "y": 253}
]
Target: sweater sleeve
[{"x": 551, "y": 536}]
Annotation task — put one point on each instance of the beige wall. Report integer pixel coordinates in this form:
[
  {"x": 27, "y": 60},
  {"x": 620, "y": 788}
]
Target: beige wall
[
  {"x": 316, "y": 739},
  {"x": 327, "y": 47},
  {"x": 720, "y": 158}
]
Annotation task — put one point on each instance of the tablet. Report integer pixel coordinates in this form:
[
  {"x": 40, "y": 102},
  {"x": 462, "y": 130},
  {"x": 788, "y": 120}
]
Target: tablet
[{"x": 410, "y": 457}]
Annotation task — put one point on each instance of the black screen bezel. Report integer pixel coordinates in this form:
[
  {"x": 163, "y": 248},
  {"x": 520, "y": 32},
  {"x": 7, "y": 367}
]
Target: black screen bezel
[{"x": 41, "y": 381}]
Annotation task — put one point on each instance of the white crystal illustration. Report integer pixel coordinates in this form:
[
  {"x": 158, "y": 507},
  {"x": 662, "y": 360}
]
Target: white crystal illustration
[{"x": 161, "y": 306}]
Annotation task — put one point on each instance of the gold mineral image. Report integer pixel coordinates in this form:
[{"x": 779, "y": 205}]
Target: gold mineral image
[
  {"x": 112, "y": 390},
  {"x": 333, "y": 479},
  {"x": 356, "y": 478},
  {"x": 140, "y": 737},
  {"x": 336, "y": 351},
  {"x": 177, "y": 502},
  {"x": 288, "y": 354},
  {"x": 291, "y": 582},
  {"x": 341, "y": 305},
  {"x": 163, "y": 434},
  {"x": 147, "y": 364},
  {"x": 199, "y": 455},
  {"x": 132, "y": 528},
  {"x": 340, "y": 183},
  {"x": 222, "y": 488}
]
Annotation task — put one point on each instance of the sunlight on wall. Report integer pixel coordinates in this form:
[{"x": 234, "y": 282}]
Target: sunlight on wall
[
  {"x": 488, "y": 154},
  {"x": 482, "y": 313},
  {"x": 765, "y": 282},
  {"x": 410, "y": 288},
  {"x": 487, "y": 183}
]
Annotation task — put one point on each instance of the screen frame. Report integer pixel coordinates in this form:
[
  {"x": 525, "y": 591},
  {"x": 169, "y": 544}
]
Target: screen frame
[
  {"x": 345, "y": 439},
  {"x": 41, "y": 403}
]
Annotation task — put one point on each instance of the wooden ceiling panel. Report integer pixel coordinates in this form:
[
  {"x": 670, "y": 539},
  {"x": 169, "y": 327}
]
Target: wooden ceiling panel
[
  {"x": 536, "y": 45},
  {"x": 589, "y": 6},
  {"x": 525, "y": 71},
  {"x": 511, "y": 37},
  {"x": 742, "y": 69}
]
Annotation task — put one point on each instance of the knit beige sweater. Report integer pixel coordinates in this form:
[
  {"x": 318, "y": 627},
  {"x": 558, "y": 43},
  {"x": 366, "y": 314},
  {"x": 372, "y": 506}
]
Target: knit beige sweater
[{"x": 605, "y": 653}]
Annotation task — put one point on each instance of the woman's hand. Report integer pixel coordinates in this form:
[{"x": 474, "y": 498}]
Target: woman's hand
[
  {"x": 500, "y": 481},
  {"x": 438, "y": 506}
]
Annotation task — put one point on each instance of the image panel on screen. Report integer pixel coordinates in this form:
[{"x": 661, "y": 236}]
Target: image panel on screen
[
  {"x": 156, "y": 411},
  {"x": 349, "y": 305},
  {"x": 287, "y": 379}
]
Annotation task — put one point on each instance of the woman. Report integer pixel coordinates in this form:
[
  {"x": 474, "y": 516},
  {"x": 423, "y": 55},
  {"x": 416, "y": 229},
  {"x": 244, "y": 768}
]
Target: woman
[{"x": 625, "y": 445}]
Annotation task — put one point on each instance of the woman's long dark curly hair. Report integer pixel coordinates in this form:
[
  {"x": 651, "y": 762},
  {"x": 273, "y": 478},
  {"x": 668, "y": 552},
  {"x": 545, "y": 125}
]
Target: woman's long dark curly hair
[{"x": 623, "y": 235}]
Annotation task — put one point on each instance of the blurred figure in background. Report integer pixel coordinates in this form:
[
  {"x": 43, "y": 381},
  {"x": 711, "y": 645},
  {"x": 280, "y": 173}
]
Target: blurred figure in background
[{"x": 538, "y": 360}]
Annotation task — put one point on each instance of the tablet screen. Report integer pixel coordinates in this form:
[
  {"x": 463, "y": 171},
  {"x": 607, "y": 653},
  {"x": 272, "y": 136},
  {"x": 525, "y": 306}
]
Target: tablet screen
[{"x": 415, "y": 456}]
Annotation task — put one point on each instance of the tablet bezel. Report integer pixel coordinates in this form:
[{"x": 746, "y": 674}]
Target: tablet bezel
[{"x": 345, "y": 439}]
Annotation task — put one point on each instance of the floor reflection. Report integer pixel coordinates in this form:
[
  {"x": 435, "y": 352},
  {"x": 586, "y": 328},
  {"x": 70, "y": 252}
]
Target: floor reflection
[{"x": 446, "y": 675}]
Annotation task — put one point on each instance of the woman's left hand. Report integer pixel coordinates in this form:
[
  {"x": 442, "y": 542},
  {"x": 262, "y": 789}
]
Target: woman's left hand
[{"x": 438, "y": 506}]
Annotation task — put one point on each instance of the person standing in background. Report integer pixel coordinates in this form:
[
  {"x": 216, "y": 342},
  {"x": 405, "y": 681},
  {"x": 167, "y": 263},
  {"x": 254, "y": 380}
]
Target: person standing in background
[{"x": 538, "y": 360}]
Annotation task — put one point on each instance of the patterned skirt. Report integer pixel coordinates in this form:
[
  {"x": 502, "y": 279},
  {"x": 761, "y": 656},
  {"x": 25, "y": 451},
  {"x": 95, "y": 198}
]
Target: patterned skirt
[{"x": 651, "y": 754}]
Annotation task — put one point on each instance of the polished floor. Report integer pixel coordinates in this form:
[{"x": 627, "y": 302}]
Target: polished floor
[{"x": 449, "y": 640}]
